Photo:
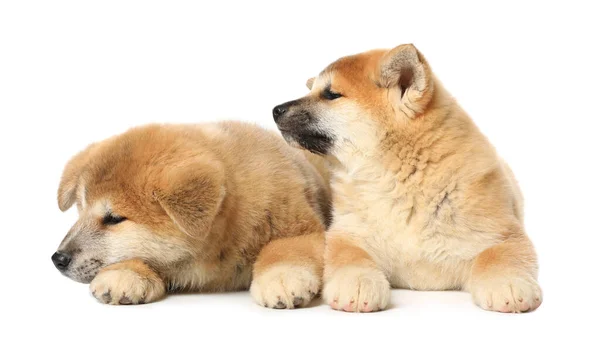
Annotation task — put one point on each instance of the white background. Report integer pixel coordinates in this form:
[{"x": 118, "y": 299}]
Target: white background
[{"x": 72, "y": 72}]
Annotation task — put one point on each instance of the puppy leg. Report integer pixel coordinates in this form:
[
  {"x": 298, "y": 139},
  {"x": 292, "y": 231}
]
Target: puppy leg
[
  {"x": 503, "y": 277},
  {"x": 353, "y": 282},
  {"x": 127, "y": 282},
  {"x": 287, "y": 273}
]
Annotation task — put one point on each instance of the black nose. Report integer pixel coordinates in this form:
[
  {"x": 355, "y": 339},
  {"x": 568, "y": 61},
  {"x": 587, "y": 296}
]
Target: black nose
[
  {"x": 278, "y": 111},
  {"x": 61, "y": 260}
]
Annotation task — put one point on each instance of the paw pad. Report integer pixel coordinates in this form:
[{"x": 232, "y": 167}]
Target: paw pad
[
  {"x": 125, "y": 301},
  {"x": 279, "y": 305},
  {"x": 106, "y": 297},
  {"x": 298, "y": 301}
]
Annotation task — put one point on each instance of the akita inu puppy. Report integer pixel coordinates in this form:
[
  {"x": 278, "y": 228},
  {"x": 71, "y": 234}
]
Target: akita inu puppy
[
  {"x": 421, "y": 200},
  {"x": 211, "y": 207}
]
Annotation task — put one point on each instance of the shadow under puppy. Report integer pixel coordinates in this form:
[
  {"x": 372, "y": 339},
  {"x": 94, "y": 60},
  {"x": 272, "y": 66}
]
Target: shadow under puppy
[{"x": 213, "y": 207}]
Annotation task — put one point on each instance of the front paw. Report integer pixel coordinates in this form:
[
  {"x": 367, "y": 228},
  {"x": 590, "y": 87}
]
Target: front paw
[
  {"x": 285, "y": 286},
  {"x": 357, "y": 289},
  {"x": 507, "y": 294},
  {"x": 126, "y": 287}
]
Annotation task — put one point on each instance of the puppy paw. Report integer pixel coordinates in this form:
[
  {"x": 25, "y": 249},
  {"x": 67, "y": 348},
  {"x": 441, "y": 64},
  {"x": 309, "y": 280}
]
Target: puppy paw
[
  {"x": 285, "y": 286},
  {"x": 126, "y": 287},
  {"x": 357, "y": 289},
  {"x": 507, "y": 294}
]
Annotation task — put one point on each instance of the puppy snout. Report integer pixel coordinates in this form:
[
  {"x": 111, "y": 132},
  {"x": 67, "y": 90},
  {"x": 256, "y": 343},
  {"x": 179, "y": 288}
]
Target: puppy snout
[
  {"x": 61, "y": 260},
  {"x": 278, "y": 111}
]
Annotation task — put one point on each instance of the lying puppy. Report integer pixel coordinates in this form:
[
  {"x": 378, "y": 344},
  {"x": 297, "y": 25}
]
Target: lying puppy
[
  {"x": 211, "y": 207},
  {"x": 421, "y": 199}
]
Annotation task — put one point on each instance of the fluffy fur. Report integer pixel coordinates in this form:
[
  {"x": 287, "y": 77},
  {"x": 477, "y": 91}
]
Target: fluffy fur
[
  {"x": 210, "y": 207},
  {"x": 421, "y": 199}
]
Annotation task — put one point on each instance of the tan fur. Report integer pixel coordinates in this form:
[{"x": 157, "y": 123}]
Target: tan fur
[
  {"x": 127, "y": 282},
  {"x": 421, "y": 199},
  {"x": 208, "y": 208}
]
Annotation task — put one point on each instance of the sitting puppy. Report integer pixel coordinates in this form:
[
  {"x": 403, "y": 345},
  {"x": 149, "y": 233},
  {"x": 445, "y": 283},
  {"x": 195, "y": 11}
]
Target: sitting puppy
[
  {"x": 211, "y": 207},
  {"x": 420, "y": 198}
]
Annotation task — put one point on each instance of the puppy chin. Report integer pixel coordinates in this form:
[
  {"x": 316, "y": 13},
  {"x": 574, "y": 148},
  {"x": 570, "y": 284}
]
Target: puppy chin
[
  {"x": 291, "y": 139},
  {"x": 314, "y": 141},
  {"x": 85, "y": 271},
  {"x": 77, "y": 277}
]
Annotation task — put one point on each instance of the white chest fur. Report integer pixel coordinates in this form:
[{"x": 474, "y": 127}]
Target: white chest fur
[{"x": 410, "y": 227}]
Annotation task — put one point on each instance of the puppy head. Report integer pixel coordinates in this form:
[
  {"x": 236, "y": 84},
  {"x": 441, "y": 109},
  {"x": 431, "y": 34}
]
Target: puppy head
[
  {"x": 355, "y": 100},
  {"x": 139, "y": 195}
]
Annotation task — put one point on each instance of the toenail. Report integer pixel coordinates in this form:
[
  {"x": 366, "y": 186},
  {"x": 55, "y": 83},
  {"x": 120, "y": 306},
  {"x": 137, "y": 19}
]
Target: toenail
[
  {"x": 106, "y": 296},
  {"x": 280, "y": 305},
  {"x": 298, "y": 301}
]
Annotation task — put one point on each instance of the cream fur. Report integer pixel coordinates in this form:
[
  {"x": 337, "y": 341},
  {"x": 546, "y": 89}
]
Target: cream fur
[
  {"x": 210, "y": 207},
  {"x": 421, "y": 199}
]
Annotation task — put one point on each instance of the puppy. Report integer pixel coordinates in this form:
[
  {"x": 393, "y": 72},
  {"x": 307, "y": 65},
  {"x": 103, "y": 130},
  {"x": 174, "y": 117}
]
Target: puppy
[
  {"x": 213, "y": 207},
  {"x": 421, "y": 199}
]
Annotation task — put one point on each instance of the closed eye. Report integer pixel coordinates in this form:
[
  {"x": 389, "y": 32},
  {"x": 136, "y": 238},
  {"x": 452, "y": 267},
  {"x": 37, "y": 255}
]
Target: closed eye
[
  {"x": 329, "y": 95},
  {"x": 112, "y": 219}
]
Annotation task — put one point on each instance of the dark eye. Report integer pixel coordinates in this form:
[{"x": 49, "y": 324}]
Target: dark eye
[
  {"x": 112, "y": 219},
  {"x": 329, "y": 95}
]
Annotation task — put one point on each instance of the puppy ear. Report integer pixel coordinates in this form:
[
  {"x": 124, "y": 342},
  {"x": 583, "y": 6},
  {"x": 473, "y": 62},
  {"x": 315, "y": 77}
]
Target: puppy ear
[
  {"x": 405, "y": 70},
  {"x": 70, "y": 180},
  {"x": 191, "y": 193},
  {"x": 309, "y": 82}
]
